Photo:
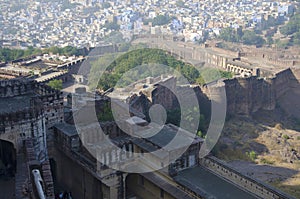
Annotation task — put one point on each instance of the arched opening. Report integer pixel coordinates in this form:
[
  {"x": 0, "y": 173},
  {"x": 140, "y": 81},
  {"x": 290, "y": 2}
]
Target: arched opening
[
  {"x": 7, "y": 169},
  {"x": 133, "y": 180},
  {"x": 7, "y": 159}
]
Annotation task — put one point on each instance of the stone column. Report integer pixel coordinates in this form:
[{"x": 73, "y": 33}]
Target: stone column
[{"x": 124, "y": 175}]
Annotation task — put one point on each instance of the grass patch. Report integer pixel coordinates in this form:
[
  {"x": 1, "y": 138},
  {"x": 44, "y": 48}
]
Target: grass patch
[
  {"x": 286, "y": 137},
  {"x": 293, "y": 190},
  {"x": 266, "y": 161},
  {"x": 230, "y": 154}
]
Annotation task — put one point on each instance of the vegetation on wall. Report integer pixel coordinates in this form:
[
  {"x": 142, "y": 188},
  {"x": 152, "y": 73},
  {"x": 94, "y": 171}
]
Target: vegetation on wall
[
  {"x": 105, "y": 114},
  {"x": 55, "y": 84}
]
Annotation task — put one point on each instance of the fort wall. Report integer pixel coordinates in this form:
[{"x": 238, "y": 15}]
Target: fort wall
[
  {"x": 248, "y": 95},
  {"x": 76, "y": 177},
  {"x": 245, "y": 182},
  {"x": 42, "y": 108}
]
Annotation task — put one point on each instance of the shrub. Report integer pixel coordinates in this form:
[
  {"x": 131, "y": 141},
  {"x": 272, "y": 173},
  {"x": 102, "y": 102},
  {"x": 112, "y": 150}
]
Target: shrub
[
  {"x": 265, "y": 161},
  {"x": 199, "y": 134},
  {"x": 252, "y": 155},
  {"x": 285, "y": 136},
  {"x": 56, "y": 84}
]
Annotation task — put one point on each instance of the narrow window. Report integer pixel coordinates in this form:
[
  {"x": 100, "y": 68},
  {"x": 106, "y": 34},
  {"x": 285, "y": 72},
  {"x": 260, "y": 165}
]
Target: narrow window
[
  {"x": 142, "y": 180},
  {"x": 162, "y": 193}
]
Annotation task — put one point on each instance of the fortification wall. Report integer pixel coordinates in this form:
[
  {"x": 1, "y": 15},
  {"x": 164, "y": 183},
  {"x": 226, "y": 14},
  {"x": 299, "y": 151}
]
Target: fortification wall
[
  {"x": 283, "y": 81},
  {"x": 11, "y": 88},
  {"x": 248, "y": 95},
  {"x": 245, "y": 182},
  {"x": 245, "y": 96},
  {"x": 296, "y": 73},
  {"x": 31, "y": 119}
]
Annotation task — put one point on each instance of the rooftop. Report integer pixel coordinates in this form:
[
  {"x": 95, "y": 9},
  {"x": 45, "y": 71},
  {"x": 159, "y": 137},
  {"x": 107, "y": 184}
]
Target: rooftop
[{"x": 68, "y": 129}]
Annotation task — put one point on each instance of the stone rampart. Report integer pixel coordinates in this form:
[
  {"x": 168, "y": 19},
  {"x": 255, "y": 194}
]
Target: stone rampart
[{"x": 252, "y": 185}]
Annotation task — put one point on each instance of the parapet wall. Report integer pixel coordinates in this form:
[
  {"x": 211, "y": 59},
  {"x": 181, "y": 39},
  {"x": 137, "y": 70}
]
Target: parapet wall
[
  {"x": 245, "y": 96},
  {"x": 245, "y": 182},
  {"x": 11, "y": 88},
  {"x": 248, "y": 95},
  {"x": 41, "y": 96},
  {"x": 283, "y": 82}
]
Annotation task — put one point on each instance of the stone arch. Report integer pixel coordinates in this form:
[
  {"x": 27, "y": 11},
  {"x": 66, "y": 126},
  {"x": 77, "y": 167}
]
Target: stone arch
[
  {"x": 12, "y": 138},
  {"x": 133, "y": 180},
  {"x": 8, "y": 158}
]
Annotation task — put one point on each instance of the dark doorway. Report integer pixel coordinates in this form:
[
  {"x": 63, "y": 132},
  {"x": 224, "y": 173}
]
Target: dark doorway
[
  {"x": 54, "y": 173},
  {"x": 7, "y": 169},
  {"x": 7, "y": 159}
]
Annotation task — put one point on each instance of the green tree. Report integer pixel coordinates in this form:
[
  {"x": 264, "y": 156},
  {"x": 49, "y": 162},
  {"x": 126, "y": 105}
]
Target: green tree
[
  {"x": 211, "y": 74},
  {"x": 54, "y": 50},
  {"x": 124, "y": 47},
  {"x": 250, "y": 38},
  {"x": 229, "y": 34},
  {"x": 252, "y": 155},
  {"x": 106, "y": 5},
  {"x": 161, "y": 20},
  {"x": 108, "y": 80},
  {"x": 112, "y": 26},
  {"x": 200, "y": 134},
  {"x": 105, "y": 114},
  {"x": 296, "y": 39},
  {"x": 292, "y": 26},
  {"x": 55, "y": 84},
  {"x": 180, "y": 3},
  {"x": 69, "y": 51},
  {"x": 282, "y": 43},
  {"x": 270, "y": 40}
]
